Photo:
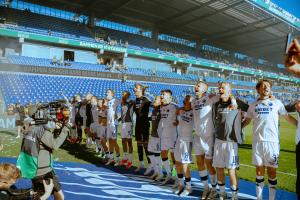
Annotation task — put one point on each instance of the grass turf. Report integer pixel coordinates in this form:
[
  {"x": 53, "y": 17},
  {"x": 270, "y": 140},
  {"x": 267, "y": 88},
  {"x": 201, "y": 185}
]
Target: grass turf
[{"x": 78, "y": 153}]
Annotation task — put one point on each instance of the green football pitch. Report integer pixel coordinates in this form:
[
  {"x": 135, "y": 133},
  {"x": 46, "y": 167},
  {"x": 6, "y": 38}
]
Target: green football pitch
[{"x": 78, "y": 153}]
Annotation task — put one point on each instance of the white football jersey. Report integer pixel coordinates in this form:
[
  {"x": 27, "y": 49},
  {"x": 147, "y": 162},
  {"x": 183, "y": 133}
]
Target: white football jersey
[
  {"x": 202, "y": 110},
  {"x": 112, "y": 106},
  {"x": 185, "y": 125},
  {"x": 265, "y": 115},
  {"x": 168, "y": 115},
  {"x": 95, "y": 113}
]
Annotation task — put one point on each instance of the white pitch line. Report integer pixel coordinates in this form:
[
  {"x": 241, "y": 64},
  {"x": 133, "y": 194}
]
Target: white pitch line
[{"x": 279, "y": 172}]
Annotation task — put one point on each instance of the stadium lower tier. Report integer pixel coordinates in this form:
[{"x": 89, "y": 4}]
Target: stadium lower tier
[{"x": 25, "y": 88}]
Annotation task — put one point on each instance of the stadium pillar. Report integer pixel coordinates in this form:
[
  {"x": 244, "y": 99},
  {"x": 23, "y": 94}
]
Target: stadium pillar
[
  {"x": 155, "y": 35},
  {"x": 199, "y": 43},
  {"x": 92, "y": 20}
]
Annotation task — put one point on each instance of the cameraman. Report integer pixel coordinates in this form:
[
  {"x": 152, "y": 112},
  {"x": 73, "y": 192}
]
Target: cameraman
[
  {"x": 9, "y": 174},
  {"x": 35, "y": 159}
]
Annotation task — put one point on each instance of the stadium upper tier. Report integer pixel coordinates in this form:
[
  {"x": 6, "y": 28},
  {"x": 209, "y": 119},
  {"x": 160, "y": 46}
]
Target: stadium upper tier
[
  {"x": 27, "y": 21},
  {"x": 24, "y": 60},
  {"x": 45, "y": 25}
]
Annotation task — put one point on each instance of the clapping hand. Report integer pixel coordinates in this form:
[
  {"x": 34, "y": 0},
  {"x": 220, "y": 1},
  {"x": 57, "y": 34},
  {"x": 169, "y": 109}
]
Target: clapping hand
[{"x": 292, "y": 61}]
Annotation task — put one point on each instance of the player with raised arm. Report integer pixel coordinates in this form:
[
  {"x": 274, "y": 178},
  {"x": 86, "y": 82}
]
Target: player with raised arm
[
  {"x": 183, "y": 147},
  {"x": 203, "y": 140},
  {"x": 167, "y": 126},
  {"x": 111, "y": 131},
  {"x": 265, "y": 113}
]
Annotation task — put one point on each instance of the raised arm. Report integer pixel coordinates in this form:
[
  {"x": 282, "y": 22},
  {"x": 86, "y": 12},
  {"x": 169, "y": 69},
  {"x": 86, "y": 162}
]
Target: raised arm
[{"x": 246, "y": 122}]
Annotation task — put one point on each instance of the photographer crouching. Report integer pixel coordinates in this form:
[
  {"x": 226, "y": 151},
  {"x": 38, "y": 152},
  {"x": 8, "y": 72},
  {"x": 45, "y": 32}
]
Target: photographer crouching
[{"x": 35, "y": 160}]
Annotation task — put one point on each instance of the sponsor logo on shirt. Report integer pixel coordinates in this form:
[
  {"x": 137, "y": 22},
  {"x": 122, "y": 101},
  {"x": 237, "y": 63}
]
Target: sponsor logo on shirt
[{"x": 264, "y": 110}]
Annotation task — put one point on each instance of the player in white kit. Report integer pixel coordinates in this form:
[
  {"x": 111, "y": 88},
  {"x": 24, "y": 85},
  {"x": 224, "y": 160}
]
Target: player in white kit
[
  {"x": 265, "y": 113},
  {"x": 98, "y": 127},
  {"x": 203, "y": 141},
  {"x": 183, "y": 147},
  {"x": 111, "y": 131},
  {"x": 167, "y": 126}
]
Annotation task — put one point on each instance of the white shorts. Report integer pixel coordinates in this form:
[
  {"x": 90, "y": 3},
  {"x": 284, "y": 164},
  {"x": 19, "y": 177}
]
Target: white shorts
[
  {"x": 168, "y": 139},
  {"x": 94, "y": 127},
  {"x": 203, "y": 146},
  {"x": 265, "y": 154},
  {"x": 183, "y": 151},
  {"x": 126, "y": 130},
  {"x": 99, "y": 130},
  {"x": 111, "y": 132},
  {"x": 225, "y": 155},
  {"x": 154, "y": 144}
]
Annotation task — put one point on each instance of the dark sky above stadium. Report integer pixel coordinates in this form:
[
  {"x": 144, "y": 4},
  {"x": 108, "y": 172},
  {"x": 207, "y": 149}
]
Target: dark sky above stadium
[{"x": 292, "y": 6}]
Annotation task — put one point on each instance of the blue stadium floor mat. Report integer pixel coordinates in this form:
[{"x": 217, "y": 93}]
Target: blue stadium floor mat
[{"x": 88, "y": 181}]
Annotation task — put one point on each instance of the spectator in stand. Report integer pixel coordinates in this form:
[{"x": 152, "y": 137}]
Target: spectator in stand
[
  {"x": 49, "y": 32},
  {"x": 61, "y": 61},
  {"x": 54, "y": 61}
]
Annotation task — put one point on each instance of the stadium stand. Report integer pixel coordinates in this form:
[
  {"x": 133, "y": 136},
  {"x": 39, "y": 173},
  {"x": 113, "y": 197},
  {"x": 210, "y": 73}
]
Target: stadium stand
[
  {"x": 45, "y": 25},
  {"x": 23, "y": 88}
]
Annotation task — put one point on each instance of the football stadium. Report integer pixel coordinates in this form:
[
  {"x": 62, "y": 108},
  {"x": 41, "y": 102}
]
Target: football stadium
[{"x": 149, "y": 99}]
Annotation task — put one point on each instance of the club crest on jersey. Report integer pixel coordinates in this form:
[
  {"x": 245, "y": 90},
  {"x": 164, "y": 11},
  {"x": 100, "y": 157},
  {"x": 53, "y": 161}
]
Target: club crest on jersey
[
  {"x": 270, "y": 104},
  {"x": 200, "y": 105}
]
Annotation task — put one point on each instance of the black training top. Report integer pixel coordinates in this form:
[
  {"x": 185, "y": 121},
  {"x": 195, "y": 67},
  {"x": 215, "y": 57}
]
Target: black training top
[
  {"x": 141, "y": 110},
  {"x": 155, "y": 118},
  {"x": 227, "y": 121}
]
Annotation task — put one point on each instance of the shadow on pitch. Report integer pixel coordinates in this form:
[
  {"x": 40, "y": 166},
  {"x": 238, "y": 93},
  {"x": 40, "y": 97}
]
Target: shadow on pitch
[{"x": 249, "y": 146}]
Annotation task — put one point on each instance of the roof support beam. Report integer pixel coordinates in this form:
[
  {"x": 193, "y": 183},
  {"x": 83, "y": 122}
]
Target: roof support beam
[
  {"x": 175, "y": 17},
  {"x": 247, "y": 31},
  {"x": 235, "y": 29},
  {"x": 185, "y": 23}
]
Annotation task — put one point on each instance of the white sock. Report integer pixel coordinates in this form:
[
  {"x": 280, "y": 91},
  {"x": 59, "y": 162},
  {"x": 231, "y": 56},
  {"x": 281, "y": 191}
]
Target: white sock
[
  {"x": 221, "y": 187},
  {"x": 98, "y": 145},
  {"x": 158, "y": 162},
  {"x": 130, "y": 157},
  {"x": 234, "y": 190},
  {"x": 180, "y": 178},
  {"x": 213, "y": 181},
  {"x": 19, "y": 131},
  {"x": 125, "y": 156},
  {"x": 117, "y": 158},
  {"x": 188, "y": 182},
  {"x": 153, "y": 163},
  {"x": 204, "y": 177},
  {"x": 167, "y": 166},
  {"x": 259, "y": 186},
  {"x": 272, "y": 188}
]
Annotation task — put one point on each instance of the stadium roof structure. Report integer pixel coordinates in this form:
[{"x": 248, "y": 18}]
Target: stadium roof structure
[{"x": 236, "y": 25}]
